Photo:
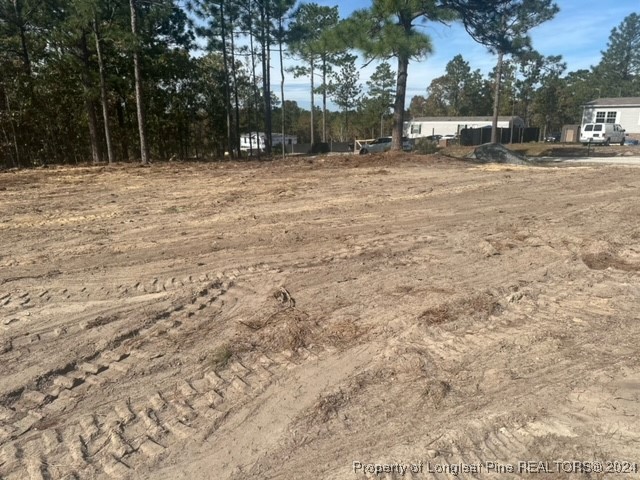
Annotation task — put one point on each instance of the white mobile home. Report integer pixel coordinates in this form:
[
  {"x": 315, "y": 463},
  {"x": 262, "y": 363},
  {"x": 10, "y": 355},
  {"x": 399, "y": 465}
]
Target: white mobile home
[
  {"x": 256, "y": 140},
  {"x": 624, "y": 111},
  {"x": 420, "y": 127}
]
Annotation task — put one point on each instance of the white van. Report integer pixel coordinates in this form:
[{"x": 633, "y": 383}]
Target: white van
[{"x": 602, "y": 133}]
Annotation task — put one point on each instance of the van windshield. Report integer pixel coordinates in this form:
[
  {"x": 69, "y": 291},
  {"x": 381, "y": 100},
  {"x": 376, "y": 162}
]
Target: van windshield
[
  {"x": 588, "y": 128},
  {"x": 597, "y": 128}
]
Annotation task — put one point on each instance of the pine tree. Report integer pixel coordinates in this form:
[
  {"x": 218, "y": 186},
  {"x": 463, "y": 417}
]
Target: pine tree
[
  {"x": 460, "y": 91},
  {"x": 309, "y": 41},
  {"x": 618, "y": 72},
  {"x": 389, "y": 29},
  {"x": 137, "y": 71},
  {"x": 381, "y": 87},
  {"x": 503, "y": 28},
  {"x": 344, "y": 88}
]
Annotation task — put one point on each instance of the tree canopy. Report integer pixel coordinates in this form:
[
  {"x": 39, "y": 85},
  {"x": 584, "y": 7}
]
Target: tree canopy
[{"x": 69, "y": 91}]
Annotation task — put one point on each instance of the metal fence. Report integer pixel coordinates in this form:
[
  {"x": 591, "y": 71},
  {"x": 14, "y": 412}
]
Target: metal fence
[{"x": 478, "y": 136}]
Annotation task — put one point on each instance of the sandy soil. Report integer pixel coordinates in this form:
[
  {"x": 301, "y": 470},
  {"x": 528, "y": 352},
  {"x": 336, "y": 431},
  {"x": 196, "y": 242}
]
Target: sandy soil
[{"x": 284, "y": 320}]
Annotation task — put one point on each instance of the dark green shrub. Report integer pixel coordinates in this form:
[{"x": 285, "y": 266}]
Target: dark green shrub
[{"x": 425, "y": 146}]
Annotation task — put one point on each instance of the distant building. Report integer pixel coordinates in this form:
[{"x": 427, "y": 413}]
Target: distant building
[
  {"x": 420, "y": 127},
  {"x": 624, "y": 111},
  {"x": 256, "y": 140}
]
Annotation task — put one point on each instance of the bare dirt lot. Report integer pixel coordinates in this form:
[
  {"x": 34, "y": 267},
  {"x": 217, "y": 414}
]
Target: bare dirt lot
[{"x": 283, "y": 320}]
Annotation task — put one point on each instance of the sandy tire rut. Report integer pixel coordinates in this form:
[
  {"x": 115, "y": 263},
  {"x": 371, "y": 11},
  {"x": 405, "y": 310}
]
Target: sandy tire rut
[
  {"x": 41, "y": 440},
  {"x": 280, "y": 320}
]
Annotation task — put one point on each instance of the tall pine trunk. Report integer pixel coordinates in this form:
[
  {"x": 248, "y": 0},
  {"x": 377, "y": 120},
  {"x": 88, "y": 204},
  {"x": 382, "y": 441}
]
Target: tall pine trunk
[
  {"x": 282, "y": 124},
  {"x": 16, "y": 159},
  {"x": 89, "y": 104},
  {"x": 253, "y": 105},
  {"x": 266, "y": 84},
  {"x": 103, "y": 93},
  {"x": 124, "y": 141},
  {"x": 227, "y": 94},
  {"x": 398, "y": 107},
  {"x": 236, "y": 102},
  {"x": 324, "y": 99},
  {"x": 26, "y": 60},
  {"x": 144, "y": 151},
  {"x": 312, "y": 105},
  {"x": 496, "y": 100}
]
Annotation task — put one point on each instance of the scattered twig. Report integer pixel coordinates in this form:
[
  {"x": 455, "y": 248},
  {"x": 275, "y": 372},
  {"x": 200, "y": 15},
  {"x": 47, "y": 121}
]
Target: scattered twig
[{"x": 283, "y": 296}]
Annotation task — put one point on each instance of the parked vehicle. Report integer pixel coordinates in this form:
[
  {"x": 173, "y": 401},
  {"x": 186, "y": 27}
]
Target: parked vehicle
[
  {"x": 383, "y": 144},
  {"x": 552, "y": 137},
  {"x": 602, "y": 133},
  {"x": 631, "y": 141}
]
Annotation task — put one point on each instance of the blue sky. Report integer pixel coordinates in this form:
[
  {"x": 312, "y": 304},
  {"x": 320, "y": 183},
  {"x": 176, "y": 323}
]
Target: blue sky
[{"x": 579, "y": 32}]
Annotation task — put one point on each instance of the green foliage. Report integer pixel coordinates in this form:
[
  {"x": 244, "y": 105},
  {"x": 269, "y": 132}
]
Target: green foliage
[
  {"x": 311, "y": 39},
  {"x": 618, "y": 73},
  {"x": 379, "y": 99},
  {"x": 345, "y": 88},
  {"x": 460, "y": 92},
  {"x": 50, "y": 102},
  {"x": 389, "y": 29},
  {"x": 418, "y": 106},
  {"x": 425, "y": 146},
  {"x": 503, "y": 26}
]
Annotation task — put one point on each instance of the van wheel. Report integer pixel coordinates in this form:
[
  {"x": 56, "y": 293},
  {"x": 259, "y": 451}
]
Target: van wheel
[
  {"x": 606, "y": 142},
  {"x": 364, "y": 151},
  {"x": 622, "y": 143}
]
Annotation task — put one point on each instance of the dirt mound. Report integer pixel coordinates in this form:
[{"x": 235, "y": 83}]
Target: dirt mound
[
  {"x": 602, "y": 255},
  {"x": 497, "y": 153}
]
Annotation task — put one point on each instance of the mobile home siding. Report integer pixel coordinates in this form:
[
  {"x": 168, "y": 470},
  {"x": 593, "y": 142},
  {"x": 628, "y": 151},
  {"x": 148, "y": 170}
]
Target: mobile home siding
[
  {"x": 630, "y": 119},
  {"x": 425, "y": 126},
  {"x": 627, "y": 112}
]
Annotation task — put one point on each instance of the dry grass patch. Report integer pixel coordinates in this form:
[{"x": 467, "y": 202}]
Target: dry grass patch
[
  {"x": 327, "y": 406},
  {"x": 342, "y": 333},
  {"x": 220, "y": 356},
  {"x": 477, "y": 307},
  {"x": 436, "y": 391},
  {"x": 287, "y": 329},
  {"x": 436, "y": 315}
]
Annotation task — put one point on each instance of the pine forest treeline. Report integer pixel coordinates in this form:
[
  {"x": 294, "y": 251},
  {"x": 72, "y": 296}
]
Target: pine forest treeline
[{"x": 114, "y": 80}]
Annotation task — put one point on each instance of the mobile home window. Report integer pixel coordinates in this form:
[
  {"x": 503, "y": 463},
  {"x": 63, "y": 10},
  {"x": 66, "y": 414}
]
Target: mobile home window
[
  {"x": 611, "y": 117},
  {"x": 600, "y": 117},
  {"x": 416, "y": 128}
]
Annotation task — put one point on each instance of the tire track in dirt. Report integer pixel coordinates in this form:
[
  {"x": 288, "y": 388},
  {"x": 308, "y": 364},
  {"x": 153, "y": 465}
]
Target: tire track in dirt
[
  {"x": 461, "y": 345},
  {"x": 19, "y": 302},
  {"x": 74, "y": 374},
  {"x": 481, "y": 226},
  {"x": 140, "y": 429},
  {"x": 27, "y": 328},
  {"x": 509, "y": 443}
]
